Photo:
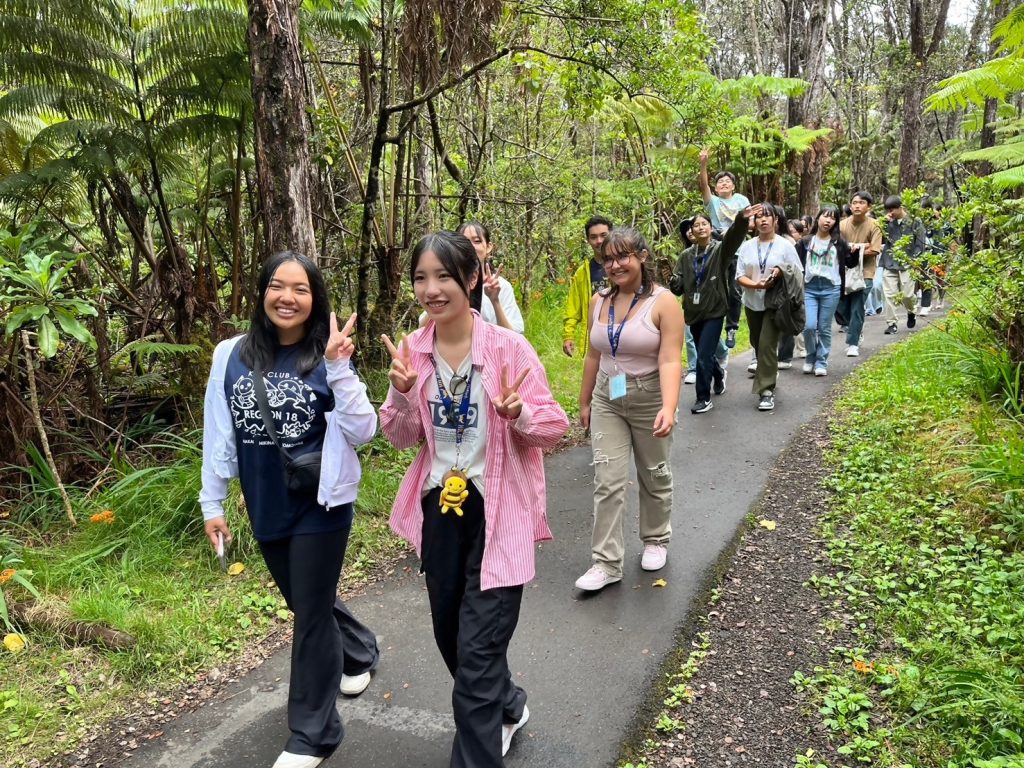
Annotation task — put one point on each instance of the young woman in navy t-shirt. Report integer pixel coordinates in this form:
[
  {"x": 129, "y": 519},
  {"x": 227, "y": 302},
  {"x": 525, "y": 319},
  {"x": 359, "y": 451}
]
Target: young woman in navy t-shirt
[{"x": 316, "y": 403}]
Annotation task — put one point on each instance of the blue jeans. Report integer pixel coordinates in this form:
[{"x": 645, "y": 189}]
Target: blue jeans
[
  {"x": 705, "y": 334},
  {"x": 873, "y": 300},
  {"x": 852, "y": 307},
  {"x": 721, "y": 351},
  {"x": 821, "y": 298}
]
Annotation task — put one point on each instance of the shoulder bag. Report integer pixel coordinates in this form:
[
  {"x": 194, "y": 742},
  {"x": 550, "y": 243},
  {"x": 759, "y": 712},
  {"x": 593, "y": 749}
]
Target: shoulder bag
[
  {"x": 855, "y": 275},
  {"x": 301, "y": 473}
]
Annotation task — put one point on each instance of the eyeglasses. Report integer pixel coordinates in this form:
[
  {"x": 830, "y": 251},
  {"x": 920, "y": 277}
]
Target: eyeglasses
[
  {"x": 456, "y": 389},
  {"x": 620, "y": 258}
]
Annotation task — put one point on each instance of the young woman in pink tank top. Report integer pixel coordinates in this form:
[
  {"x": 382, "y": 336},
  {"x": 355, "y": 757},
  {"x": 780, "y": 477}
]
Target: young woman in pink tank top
[{"x": 628, "y": 401}]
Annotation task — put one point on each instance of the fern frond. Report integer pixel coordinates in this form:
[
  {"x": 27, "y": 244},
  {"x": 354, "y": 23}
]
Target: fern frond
[
  {"x": 148, "y": 345},
  {"x": 1011, "y": 177},
  {"x": 1000, "y": 156},
  {"x": 762, "y": 85},
  {"x": 799, "y": 138},
  {"x": 58, "y": 103},
  {"x": 55, "y": 41},
  {"x": 190, "y": 131},
  {"x": 993, "y": 80},
  {"x": 1011, "y": 30}
]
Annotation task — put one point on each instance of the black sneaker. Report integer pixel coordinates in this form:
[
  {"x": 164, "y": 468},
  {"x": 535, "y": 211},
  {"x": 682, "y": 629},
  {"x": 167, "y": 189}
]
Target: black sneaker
[
  {"x": 911, "y": 319},
  {"x": 890, "y": 330},
  {"x": 719, "y": 388},
  {"x": 767, "y": 402},
  {"x": 702, "y": 406},
  {"x": 730, "y": 338}
]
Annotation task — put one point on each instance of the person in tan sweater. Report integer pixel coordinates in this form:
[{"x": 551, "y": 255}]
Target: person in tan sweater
[{"x": 861, "y": 232}]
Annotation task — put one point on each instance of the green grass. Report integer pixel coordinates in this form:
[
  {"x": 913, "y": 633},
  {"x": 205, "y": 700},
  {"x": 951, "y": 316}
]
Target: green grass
[
  {"x": 151, "y": 573},
  {"x": 923, "y": 568}
]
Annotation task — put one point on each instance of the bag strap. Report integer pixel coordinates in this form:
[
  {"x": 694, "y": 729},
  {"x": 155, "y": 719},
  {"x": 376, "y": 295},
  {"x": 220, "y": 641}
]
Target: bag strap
[{"x": 268, "y": 420}]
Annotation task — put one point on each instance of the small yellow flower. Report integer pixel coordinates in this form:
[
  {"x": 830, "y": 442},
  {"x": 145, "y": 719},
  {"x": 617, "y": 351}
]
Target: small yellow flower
[
  {"x": 106, "y": 516},
  {"x": 6, "y": 575},
  {"x": 14, "y": 642}
]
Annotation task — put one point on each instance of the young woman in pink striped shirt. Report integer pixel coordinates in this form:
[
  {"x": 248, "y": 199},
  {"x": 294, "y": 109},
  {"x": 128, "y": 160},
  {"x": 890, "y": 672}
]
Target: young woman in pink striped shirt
[{"x": 473, "y": 501}]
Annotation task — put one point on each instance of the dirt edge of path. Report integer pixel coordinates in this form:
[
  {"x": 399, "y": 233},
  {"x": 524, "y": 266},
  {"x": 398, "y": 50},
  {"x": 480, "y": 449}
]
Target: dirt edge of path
[{"x": 753, "y": 625}]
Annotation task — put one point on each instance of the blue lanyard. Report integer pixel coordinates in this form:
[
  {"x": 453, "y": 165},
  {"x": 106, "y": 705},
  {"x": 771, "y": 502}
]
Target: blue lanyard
[
  {"x": 449, "y": 402},
  {"x": 613, "y": 335},
  {"x": 762, "y": 263},
  {"x": 699, "y": 271}
]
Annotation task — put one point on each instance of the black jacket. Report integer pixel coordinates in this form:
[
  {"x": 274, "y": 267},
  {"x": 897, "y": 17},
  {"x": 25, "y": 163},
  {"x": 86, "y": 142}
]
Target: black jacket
[
  {"x": 846, "y": 255},
  {"x": 719, "y": 274}
]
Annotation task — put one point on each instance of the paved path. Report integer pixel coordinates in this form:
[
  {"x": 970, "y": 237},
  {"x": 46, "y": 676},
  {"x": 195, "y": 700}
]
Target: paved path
[{"x": 586, "y": 661}]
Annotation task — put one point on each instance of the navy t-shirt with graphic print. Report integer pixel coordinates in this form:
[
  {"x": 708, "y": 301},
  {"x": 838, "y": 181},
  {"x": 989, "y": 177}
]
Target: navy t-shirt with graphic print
[{"x": 298, "y": 405}]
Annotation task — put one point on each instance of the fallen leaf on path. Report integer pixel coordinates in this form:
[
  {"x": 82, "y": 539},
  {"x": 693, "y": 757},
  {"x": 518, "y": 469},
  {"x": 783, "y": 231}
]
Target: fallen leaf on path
[
  {"x": 769, "y": 524},
  {"x": 659, "y": 583}
]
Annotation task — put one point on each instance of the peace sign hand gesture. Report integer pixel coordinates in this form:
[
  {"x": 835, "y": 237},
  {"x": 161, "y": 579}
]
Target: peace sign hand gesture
[
  {"x": 492, "y": 287},
  {"x": 509, "y": 405},
  {"x": 401, "y": 374},
  {"x": 339, "y": 343}
]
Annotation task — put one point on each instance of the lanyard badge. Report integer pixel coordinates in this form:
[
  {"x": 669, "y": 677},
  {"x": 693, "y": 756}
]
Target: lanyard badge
[
  {"x": 455, "y": 480},
  {"x": 617, "y": 382}
]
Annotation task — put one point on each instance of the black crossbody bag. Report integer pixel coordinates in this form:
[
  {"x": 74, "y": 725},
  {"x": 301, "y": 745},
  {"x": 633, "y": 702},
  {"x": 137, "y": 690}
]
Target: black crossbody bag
[{"x": 301, "y": 473}]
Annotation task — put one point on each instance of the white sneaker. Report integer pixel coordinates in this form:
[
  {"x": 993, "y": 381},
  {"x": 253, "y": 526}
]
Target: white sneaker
[
  {"x": 691, "y": 377},
  {"x": 595, "y": 579},
  {"x": 291, "y": 760},
  {"x": 752, "y": 368},
  {"x": 785, "y": 365},
  {"x": 654, "y": 557},
  {"x": 509, "y": 730},
  {"x": 354, "y": 685},
  {"x": 853, "y": 351},
  {"x": 925, "y": 311},
  {"x": 808, "y": 367},
  {"x": 821, "y": 372}
]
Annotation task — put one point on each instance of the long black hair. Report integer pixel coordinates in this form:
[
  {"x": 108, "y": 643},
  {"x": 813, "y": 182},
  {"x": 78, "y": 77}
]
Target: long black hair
[
  {"x": 456, "y": 254},
  {"x": 781, "y": 222},
  {"x": 476, "y": 295},
  {"x": 833, "y": 234},
  {"x": 629, "y": 240},
  {"x": 259, "y": 347}
]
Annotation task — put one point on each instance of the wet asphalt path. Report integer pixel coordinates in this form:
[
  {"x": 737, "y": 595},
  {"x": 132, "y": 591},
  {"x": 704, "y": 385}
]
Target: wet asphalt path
[{"x": 586, "y": 661}]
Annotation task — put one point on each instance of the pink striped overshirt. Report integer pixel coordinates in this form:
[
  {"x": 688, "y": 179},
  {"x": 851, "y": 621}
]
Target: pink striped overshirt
[{"x": 515, "y": 506}]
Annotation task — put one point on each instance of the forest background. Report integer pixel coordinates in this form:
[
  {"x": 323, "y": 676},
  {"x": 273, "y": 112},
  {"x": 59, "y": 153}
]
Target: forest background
[{"x": 153, "y": 153}]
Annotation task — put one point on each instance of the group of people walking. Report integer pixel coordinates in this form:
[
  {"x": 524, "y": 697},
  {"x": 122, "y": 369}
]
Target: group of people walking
[{"x": 285, "y": 411}]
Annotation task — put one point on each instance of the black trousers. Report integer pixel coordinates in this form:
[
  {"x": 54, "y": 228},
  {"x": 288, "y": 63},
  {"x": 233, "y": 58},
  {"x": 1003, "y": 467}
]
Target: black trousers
[
  {"x": 328, "y": 640},
  {"x": 472, "y": 629},
  {"x": 706, "y": 334},
  {"x": 735, "y": 295}
]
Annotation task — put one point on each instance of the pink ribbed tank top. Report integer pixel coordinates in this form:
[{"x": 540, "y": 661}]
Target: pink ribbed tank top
[{"x": 638, "y": 345}]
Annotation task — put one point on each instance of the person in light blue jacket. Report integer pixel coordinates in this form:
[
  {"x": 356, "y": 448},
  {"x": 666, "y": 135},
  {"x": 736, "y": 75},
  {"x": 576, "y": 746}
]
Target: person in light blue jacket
[{"x": 296, "y": 360}]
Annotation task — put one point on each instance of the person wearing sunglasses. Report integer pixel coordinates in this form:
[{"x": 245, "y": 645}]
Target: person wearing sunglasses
[
  {"x": 475, "y": 397},
  {"x": 628, "y": 400}
]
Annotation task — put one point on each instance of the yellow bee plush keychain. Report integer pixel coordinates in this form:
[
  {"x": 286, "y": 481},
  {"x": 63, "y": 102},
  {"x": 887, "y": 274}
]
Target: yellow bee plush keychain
[{"x": 454, "y": 491}]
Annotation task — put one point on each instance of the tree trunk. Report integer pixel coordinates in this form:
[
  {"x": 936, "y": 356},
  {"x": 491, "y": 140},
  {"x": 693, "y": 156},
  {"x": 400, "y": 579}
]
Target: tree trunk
[
  {"x": 37, "y": 417},
  {"x": 910, "y": 141},
  {"x": 57, "y": 620},
  {"x": 282, "y": 147}
]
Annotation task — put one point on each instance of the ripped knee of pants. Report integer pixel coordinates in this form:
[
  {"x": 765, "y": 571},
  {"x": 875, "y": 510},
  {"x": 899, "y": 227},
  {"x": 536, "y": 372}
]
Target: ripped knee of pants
[
  {"x": 600, "y": 457},
  {"x": 661, "y": 471}
]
